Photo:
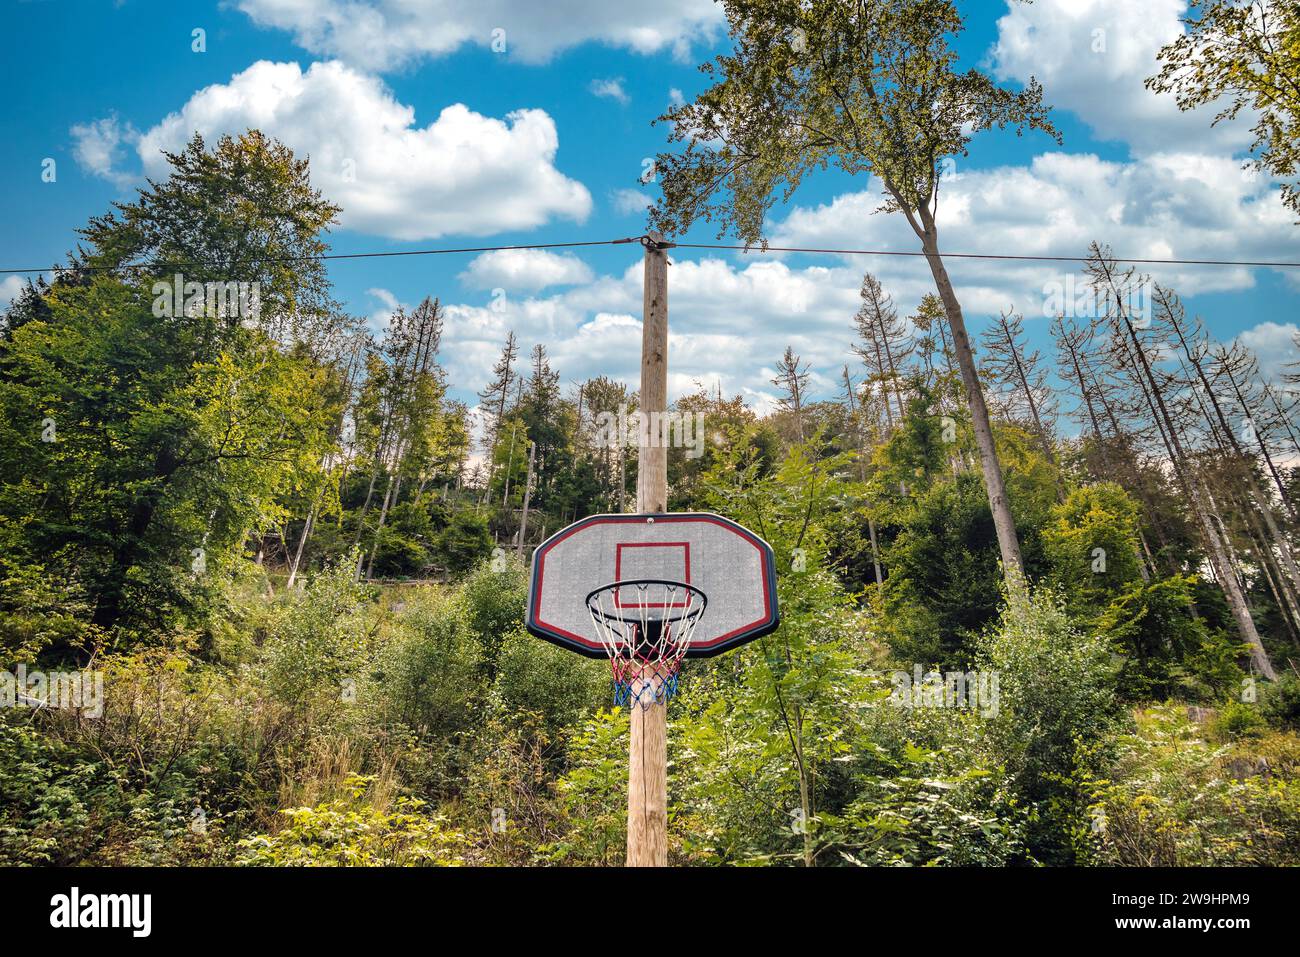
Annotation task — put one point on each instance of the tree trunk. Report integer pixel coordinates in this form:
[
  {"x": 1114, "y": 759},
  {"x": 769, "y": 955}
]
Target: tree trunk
[
  {"x": 528, "y": 496},
  {"x": 875, "y": 556},
  {"x": 1003, "y": 523}
]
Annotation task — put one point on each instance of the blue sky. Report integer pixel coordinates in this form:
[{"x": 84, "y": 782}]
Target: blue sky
[{"x": 429, "y": 137}]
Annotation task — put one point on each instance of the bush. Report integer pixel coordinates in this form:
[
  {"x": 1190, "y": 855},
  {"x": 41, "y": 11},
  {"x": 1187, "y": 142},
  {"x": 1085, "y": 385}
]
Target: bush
[
  {"x": 1236, "y": 719},
  {"x": 320, "y": 637},
  {"x": 427, "y": 677},
  {"x": 61, "y": 805},
  {"x": 1279, "y": 701},
  {"x": 536, "y": 677},
  {"x": 593, "y": 794},
  {"x": 465, "y": 542},
  {"x": 353, "y": 832},
  {"x": 1175, "y": 800},
  {"x": 494, "y": 598},
  {"x": 1056, "y": 713},
  {"x": 38, "y": 612}
]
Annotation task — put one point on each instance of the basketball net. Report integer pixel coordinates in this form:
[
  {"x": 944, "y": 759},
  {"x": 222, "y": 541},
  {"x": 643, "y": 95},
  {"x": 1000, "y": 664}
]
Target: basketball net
[{"x": 646, "y": 626}]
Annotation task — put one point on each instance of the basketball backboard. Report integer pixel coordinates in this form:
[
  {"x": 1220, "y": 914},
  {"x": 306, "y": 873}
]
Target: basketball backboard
[{"x": 730, "y": 565}]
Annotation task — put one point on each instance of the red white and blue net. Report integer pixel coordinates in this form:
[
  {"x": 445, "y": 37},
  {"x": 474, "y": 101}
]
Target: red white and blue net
[{"x": 646, "y": 626}]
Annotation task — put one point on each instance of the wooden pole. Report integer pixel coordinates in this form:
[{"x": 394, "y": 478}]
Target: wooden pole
[{"x": 647, "y": 779}]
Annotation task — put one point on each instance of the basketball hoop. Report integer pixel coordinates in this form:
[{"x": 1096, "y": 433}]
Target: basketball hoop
[{"x": 646, "y": 626}]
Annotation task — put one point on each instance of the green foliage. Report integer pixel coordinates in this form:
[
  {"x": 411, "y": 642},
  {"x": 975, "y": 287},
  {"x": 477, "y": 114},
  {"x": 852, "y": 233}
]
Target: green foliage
[
  {"x": 1279, "y": 701},
  {"x": 1237, "y": 719},
  {"x": 1239, "y": 56},
  {"x": 1165, "y": 649},
  {"x": 464, "y": 542},
  {"x": 917, "y": 819},
  {"x": 140, "y": 448},
  {"x": 1056, "y": 716},
  {"x": 1091, "y": 545},
  {"x": 593, "y": 794},
  {"x": 944, "y": 580},
  {"x": 320, "y": 637},
  {"x": 1175, "y": 800},
  {"x": 38, "y": 612},
  {"x": 428, "y": 676},
  {"x": 352, "y": 832},
  {"x": 854, "y": 78},
  {"x": 556, "y": 686},
  {"x": 494, "y": 597}
]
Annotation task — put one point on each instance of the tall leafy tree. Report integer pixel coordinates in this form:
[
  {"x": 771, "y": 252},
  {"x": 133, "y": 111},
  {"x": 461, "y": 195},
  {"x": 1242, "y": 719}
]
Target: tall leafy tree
[
  {"x": 173, "y": 436},
  {"x": 1245, "y": 56},
  {"x": 870, "y": 87},
  {"x": 243, "y": 210}
]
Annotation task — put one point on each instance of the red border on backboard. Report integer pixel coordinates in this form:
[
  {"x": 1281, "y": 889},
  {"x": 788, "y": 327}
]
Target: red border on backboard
[{"x": 618, "y": 569}]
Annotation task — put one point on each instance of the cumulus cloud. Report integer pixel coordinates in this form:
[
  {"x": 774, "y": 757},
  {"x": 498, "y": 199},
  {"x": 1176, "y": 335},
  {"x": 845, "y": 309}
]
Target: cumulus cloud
[
  {"x": 1275, "y": 345},
  {"x": 627, "y": 202},
  {"x": 611, "y": 89},
  {"x": 524, "y": 269},
  {"x": 1166, "y": 206},
  {"x": 10, "y": 287},
  {"x": 1092, "y": 57},
  {"x": 728, "y": 321},
  {"x": 386, "y": 34},
  {"x": 464, "y": 173},
  {"x": 100, "y": 145}
]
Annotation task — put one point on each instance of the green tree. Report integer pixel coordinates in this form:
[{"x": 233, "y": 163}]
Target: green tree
[
  {"x": 871, "y": 88},
  {"x": 1092, "y": 547},
  {"x": 1249, "y": 53},
  {"x": 243, "y": 210}
]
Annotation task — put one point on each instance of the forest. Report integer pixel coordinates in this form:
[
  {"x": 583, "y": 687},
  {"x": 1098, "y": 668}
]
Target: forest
[{"x": 296, "y": 564}]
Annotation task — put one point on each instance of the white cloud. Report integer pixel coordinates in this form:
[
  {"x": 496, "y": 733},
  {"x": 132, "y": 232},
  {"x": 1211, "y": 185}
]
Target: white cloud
[
  {"x": 629, "y": 201},
  {"x": 464, "y": 173},
  {"x": 611, "y": 89},
  {"x": 10, "y": 287},
  {"x": 524, "y": 269},
  {"x": 1274, "y": 344},
  {"x": 385, "y": 34},
  {"x": 100, "y": 145},
  {"x": 380, "y": 317},
  {"x": 1164, "y": 206},
  {"x": 727, "y": 322},
  {"x": 1092, "y": 57}
]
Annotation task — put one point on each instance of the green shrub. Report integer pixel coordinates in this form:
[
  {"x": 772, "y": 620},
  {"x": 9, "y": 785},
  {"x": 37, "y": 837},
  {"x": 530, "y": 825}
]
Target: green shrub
[
  {"x": 553, "y": 683},
  {"x": 1237, "y": 719},
  {"x": 1056, "y": 714},
  {"x": 320, "y": 637},
  {"x": 465, "y": 541},
  {"x": 494, "y": 597},
  {"x": 427, "y": 677},
  {"x": 352, "y": 832},
  {"x": 1172, "y": 799},
  {"x": 593, "y": 794},
  {"x": 1279, "y": 701}
]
